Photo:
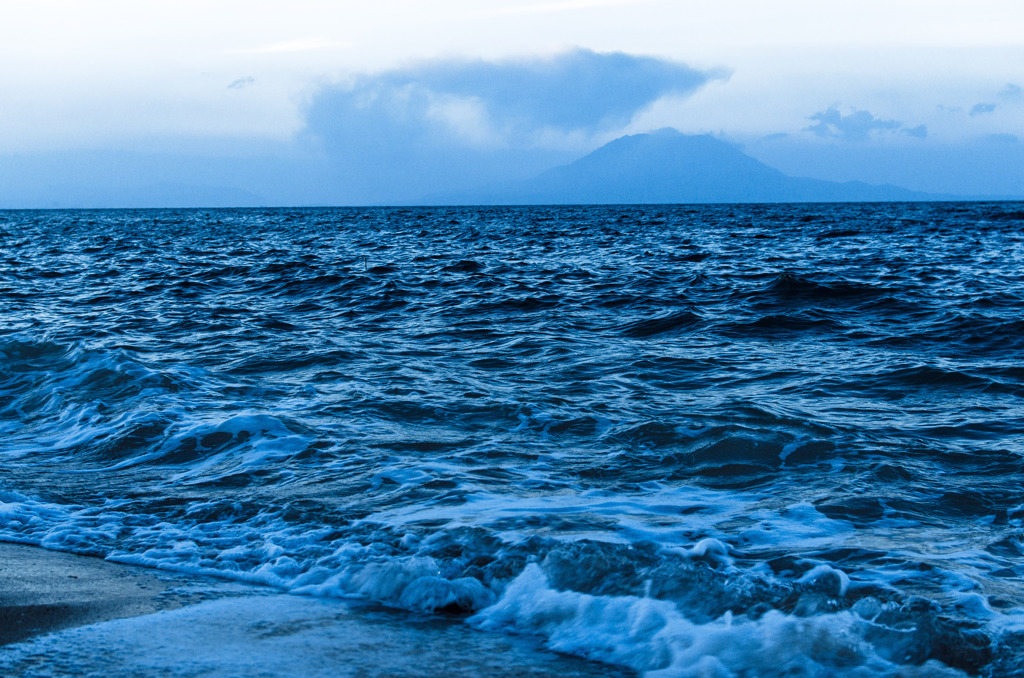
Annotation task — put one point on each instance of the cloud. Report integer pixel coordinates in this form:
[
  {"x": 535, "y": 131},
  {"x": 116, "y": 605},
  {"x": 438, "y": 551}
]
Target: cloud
[
  {"x": 1011, "y": 92},
  {"x": 242, "y": 83},
  {"x": 443, "y": 122},
  {"x": 981, "y": 109},
  {"x": 857, "y": 126},
  {"x": 578, "y": 90},
  {"x": 919, "y": 132}
]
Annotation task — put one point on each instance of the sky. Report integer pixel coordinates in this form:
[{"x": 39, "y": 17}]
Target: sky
[{"x": 109, "y": 102}]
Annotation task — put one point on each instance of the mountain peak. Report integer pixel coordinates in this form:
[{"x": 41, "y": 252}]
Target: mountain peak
[{"x": 668, "y": 166}]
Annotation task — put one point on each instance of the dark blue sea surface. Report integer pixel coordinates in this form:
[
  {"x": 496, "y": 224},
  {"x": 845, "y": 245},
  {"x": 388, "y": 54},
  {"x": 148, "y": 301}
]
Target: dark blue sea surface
[{"x": 754, "y": 440}]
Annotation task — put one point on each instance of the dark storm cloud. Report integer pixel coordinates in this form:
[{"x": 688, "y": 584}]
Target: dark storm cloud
[
  {"x": 857, "y": 126},
  {"x": 442, "y": 123},
  {"x": 579, "y": 90}
]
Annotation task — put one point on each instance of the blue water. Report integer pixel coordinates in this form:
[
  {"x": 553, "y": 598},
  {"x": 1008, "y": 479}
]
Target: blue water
[{"x": 752, "y": 440}]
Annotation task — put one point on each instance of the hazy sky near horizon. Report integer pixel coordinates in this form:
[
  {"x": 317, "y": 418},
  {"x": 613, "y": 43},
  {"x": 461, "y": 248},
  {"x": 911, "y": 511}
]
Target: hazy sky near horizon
[{"x": 787, "y": 78}]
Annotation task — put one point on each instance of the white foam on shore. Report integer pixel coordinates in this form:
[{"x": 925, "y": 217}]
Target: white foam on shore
[
  {"x": 653, "y": 637},
  {"x": 656, "y": 636},
  {"x": 283, "y": 636}
]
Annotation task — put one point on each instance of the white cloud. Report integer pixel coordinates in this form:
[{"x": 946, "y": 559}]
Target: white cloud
[
  {"x": 465, "y": 118},
  {"x": 855, "y": 126}
]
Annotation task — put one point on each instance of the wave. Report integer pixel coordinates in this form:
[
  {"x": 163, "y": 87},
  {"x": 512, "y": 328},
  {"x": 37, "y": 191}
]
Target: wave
[
  {"x": 649, "y": 327},
  {"x": 651, "y": 636},
  {"x": 796, "y": 287},
  {"x": 683, "y": 439}
]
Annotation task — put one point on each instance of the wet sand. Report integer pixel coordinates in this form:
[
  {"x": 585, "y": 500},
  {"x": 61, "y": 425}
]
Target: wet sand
[
  {"x": 43, "y": 591},
  {"x": 62, "y": 614}
]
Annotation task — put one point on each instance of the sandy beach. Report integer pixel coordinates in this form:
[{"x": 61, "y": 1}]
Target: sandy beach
[
  {"x": 62, "y": 614},
  {"x": 43, "y": 591}
]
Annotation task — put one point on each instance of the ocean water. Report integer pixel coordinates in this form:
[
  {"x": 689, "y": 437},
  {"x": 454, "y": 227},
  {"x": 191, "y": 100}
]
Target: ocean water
[{"x": 752, "y": 440}]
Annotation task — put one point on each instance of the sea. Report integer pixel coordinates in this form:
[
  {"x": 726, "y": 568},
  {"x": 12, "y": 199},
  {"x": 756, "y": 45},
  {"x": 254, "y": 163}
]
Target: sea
[{"x": 682, "y": 440}]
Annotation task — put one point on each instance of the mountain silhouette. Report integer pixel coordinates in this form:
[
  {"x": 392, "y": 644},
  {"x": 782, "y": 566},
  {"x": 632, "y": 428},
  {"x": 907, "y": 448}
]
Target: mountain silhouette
[{"x": 667, "y": 166}]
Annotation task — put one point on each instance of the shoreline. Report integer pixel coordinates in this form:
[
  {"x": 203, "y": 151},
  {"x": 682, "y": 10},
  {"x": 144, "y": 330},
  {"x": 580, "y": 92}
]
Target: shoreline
[
  {"x": 42, "y": 591},
  {"x": 67, "y": 614}
]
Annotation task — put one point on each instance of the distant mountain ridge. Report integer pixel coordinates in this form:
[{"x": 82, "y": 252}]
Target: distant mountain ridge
[{"x": 667, "y": 166}]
